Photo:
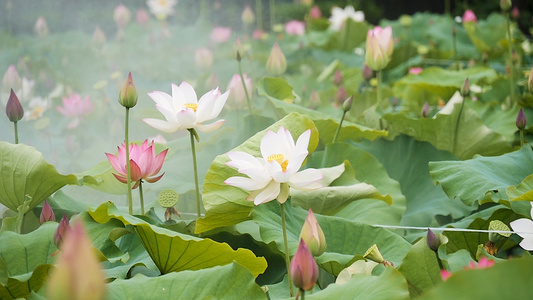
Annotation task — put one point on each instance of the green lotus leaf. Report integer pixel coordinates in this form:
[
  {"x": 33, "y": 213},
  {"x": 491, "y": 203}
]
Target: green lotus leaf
[
  {"x": 26, "y": 174},
  {"x": 483, "y": 178},
  {"x": 522, "y": 191},
  {"x": 172, "y": 251},
  {"x": 226, "y": 205},
  {"x": 327, "y": 126},
  {"x": 472, "y": 136},
  {"x": 231, "y": 281},
  {"x": 17, "y": 288}
]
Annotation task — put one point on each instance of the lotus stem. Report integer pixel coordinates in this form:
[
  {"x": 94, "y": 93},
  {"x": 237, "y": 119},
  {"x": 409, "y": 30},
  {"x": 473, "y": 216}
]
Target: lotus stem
[
  {"x": 248, "y": 101},
  {"x": 259, "y": 14},
  {"x": 378, "y": 95},
  {"x": 286, "y": 243},
  {"x": 128, "y": 165},
  {"x": 511, "y": 65},
  {"x": 521, "y": 138},
  {"x": 272, "y": 7},
  {"x": 457, "y": 124},
  {"x": 16, "y": 132},
  {"x": 195, "y": 166},
  {"x": 339, "y": 127},
  {"x": 141, "y": 196}
]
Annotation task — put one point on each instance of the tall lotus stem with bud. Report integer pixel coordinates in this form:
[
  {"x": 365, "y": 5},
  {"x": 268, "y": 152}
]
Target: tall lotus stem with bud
[
  {"x": 505, "y": 6},
  {"x": 248, "y": 101},
  {"x": 303, "y": 270},
  {"x": 346, "y": 106},
  {"x": 465, "y": 92},
  {"x": 128, "y": 98},
  {"x": 521, "y": 125},
  {"x": 14, "y": 112}
]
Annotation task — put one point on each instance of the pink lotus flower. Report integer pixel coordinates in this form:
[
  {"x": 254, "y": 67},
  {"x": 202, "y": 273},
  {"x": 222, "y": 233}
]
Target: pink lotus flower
[
  {"x": 220, "y": 34},
  {"x": 482, "y": 264},
  {"x": 295, "y": 27},
  {"x": 469, "y": 16},
  {"x": 237, "y": 97},
  {"x": 75, "y": 107},
  {"x": 144, "y": 163}
]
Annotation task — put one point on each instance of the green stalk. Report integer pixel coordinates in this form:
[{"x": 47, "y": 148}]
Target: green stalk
[
  {"x": 302, "y": 293},
  {"x": 286, "y": 243},
  {"x": 339, "y": 127},
  {"x": 193, "y": 148},
  {"x": 128, "y": 165},
  {"x": 521, "y": 137},
  {"x": 259, "y": 14},
  {"x": 141, "y": 196},
  {"x": 457, "y": 124},
  {"x": 511, "y": 65},
  {"x": 378, "y": 94},
  {"x": 272, "y": 14},
  {"x": 454, "y": 41},
  {"x": 248, "y": 101},
  {"x": 16, "y": 132}
]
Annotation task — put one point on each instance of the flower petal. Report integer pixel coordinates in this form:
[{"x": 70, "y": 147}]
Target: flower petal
[
  {"x": 164, "y": 126},
  {"x": 162, "y": 99},
  {"x": 270, "y": 192},
  {"x": 205, "y": 106},
  {"x": 170, "y": 115},
  {"x": 522, "y": 227},
  {"x": 241, "y": 160},
  {"x": 154, "y": 179},
  {"x": 115, "y": 163},
  {"x": 269, "y": 144},
  {"x": 188, "y": 92},
  {"x": 187, "y": 118},
  {"x": 243, "y": 183},
  {"x": 210, "y": 127},
  {"x": 136, "y": 173}
]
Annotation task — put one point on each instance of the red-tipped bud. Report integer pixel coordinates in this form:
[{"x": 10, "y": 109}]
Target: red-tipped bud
[
  {"x": 312, "y": 235},
  {"x": 303, "y": 269},
  {"x": 62, "y": 230},
  {"x": 432, "y": 240},
  {"x": 276, "y": 63},
  {"x": 367, "y": 73},
  {"x": 337, "y": 78},
  {"x": 521, "y": 120},
  {"x": 128, "y": 94},
  {"x": 469, "y": 16},
  {"x": 505, "y": 5},
  {"x": 347, "y": 104},
  {"x": 515, "y": 13},
  {"x": 248, "y": 16},
  {"x": 425, "y": 110},
  {"x": 341, "y": 95},
  {"x": 465, "y": 89},
  {"x": 315, "y": 13},
  {"x": 47, "y": 214},
  {"x": 14, "y": 110}
]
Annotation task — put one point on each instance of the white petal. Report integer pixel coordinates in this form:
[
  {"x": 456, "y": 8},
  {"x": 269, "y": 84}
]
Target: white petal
[
  {"x": 162, "y": 125},
  {"x": 303, "y": 142},
  {"x": 258, "y": 175},
  {"x": 161, "y": 99},
  {"x": 170, "y": 115},
  {"x": 269, "y": 144},
  {"x": 243, "y": 183},
  {"x": 286, "y": 142},
  {"x": 308, "y": 179},
  {"x": 527, "y": 243},
  {"x": 274, "y": 169},
  {"x": 522, "y": 227},
  {"x": 210, "y": 127},
  {"x": 244, "y": 159},
  {"x": 219, "y": 104},
  {"x": 296, "y": 163},
  {"x": 205, "y": 106},
  {"x": 178, "y": 98},
  {"x": 188, "y": 92},
  {"x": 187, "y": 118},
  {"x": 531, "y": 213},
  {"x": 269, "y": 193}
]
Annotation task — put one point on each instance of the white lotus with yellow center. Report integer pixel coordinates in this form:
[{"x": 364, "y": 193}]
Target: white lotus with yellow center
[{"x": 272, "y": 175}]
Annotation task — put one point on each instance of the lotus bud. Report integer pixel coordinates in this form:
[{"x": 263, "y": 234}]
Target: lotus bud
[
  {"x": 99, "y": 37},
  {"x": 515, "y": 13},
  {"x": 203, "y": 58},
  {"x": 122, "y": 16},
  {"x": 40, "y": 28},
  {"x": 237, "y": 95},
  {"x": 337, "y": 78},
  {"x": 11, "y": 78},
  {"x": 62, "y": 231},
  {"x": 303, "y": 268},
  {"x": 142, "y": 17},
  {"x": 341, "y": 95},
  {"x": 379, "y": 47},
  {"x": 465, "y": 89},
  {"x": 78, "y": 273},
  {"x": 307, "y": 3},
  {"x": 128, "y": 94},
  {"x": 347, "y": 105},
  {"x": 312, "y": 235},
  {"x": 521, "y": 120},
  {"x": 505, "y": 5},
  {"x": 238, "y": 49},
  {"x": 432, "y": 240},
  {"x": 314, "y": 99},
  {"x": 367, "y": 73},
  {"x": 248, "y": 16},
  {"x": 47, "y": 214},
  {"x": 14, "y": 110},
  {"x": 406, "y": 20},
  {"x": 315, "y": 13},
  {"x": 276, "y": 63},
  {"x": 425, "y": 110},
  {"x": 469, "y": 16}
]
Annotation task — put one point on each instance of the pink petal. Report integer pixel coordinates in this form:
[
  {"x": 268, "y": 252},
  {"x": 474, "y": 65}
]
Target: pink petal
[
  {"x": 136, "y": 173},
  {"x": 115, "y": 163}
]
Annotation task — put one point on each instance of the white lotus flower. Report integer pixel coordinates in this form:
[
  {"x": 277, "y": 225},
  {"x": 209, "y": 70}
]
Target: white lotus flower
[
  {"x": 339, "y": 15},
  {"x": 161, "y": 8},
  {"x": 524, "y": 228},
  {"x": 270, "y": 176},
  {"x": 182, "y": 110}
]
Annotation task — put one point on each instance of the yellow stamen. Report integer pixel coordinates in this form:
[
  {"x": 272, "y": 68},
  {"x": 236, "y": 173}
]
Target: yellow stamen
[
  {"x": 279, "y": 158},
  {"x": 193, "y": 106}
]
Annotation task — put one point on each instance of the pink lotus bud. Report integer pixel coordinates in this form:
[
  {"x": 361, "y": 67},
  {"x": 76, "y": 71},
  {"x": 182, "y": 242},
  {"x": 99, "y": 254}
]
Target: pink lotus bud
[
  {"x": 314, "y": 99},
  {"x": 78, "y": 273},
  {"x": 220, "y": 34},
  {"x": 505, "y": 5},
  {"x": 248, "y": 16},
  {"x": 425, "y": 110},
  {"x": 14, "y": 110},
  {"x": 295, "y": 27},
  {"x": 347, "y": 104},
  {"x": 337, "y": 78},
  {"x": 521, "y": 120},
  {"x": 99, "y": 37},
  {"x": 259, "y": 35},
  {"x": 465, "y": 89},
  {"x": 415, "y": 70},
  {"x": 276, "y": 63},
  {"x": 315, "y": 13},
  {"x": 62, "y": 231},
  {"x": 445, "y": 274},
  {"x": 40, "y": 28},
  {"x": 142, "y": 17},
  {"x": 238, "y": 49},
  {"x": 341, "y": 96},
  {"x": 515, "y": 13},
  {"x": 367, "y": 73},
  {"x": 122, "y": 16},
  {"x": 303, "y": 269},
  {"x": 47, "y": 214},
  {"x": 432, "y": 239},
  {"x": 128, "y": 94},
  {"x": 379, "y": 47},
  {"x": 469, "y": 16},
  {"x": 312, "y": 235},
  {"x": 11, "y": 78},
  {"x": 237, "y": 96},
  {"x": 203, "y": 58}
]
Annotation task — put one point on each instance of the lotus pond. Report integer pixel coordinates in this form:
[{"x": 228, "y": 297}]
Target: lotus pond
[{"x": 320, "y": 156}]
